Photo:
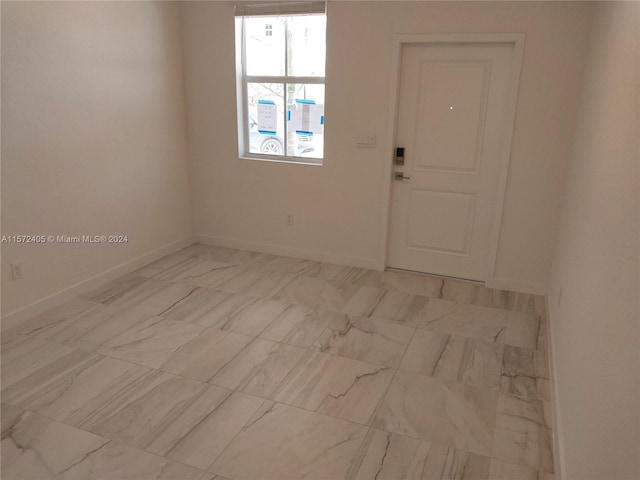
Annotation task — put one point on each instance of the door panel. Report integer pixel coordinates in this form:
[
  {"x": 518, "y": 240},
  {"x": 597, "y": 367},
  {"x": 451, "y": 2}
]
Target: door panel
[
  {"x": 451, "y": 211},
  {"x": 452, "y": 125},
  {"x": 450, "y": 116}
]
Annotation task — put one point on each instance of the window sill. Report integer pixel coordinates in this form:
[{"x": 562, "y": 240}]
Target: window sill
[{"x": 313, "y": 162}]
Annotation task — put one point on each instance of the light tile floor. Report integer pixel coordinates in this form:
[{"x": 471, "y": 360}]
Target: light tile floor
[{"x": 214, "y": 363}]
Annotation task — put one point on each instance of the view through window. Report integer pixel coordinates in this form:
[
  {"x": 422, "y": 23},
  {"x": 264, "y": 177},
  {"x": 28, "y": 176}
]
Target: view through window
[{"x": 282, "y": 89}]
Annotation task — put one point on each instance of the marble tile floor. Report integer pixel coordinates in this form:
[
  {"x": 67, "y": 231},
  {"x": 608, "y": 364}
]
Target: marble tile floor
[{"x": 214, "y": 363}]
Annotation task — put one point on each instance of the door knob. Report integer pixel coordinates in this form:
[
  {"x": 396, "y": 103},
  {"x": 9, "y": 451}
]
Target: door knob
[{"x": 400, "y": 176}]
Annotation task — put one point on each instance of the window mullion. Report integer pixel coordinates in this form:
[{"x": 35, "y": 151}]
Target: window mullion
[
  {"x": 284, "y": 86},
  {"x": 245, "y": 91},
  {"x": 280, "y": 79}
]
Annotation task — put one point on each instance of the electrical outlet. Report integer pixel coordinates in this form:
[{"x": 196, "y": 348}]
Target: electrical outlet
[
  {"x": 16, "y": 271},
  {"x": 290, "y": 219}
]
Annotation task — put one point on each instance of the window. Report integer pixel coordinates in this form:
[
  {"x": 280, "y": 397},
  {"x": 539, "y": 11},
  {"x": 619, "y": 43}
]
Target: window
[{"x": 281, "y": 53}]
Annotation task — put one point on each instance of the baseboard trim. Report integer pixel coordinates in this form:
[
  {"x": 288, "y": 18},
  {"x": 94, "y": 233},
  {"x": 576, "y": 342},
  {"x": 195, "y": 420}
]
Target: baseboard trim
[
  {"x": 17, "y": 316},
  {"x": 521, "y": 286},
  {"x": 557, "y": 437},
  {"x": 285, "y": 250}
]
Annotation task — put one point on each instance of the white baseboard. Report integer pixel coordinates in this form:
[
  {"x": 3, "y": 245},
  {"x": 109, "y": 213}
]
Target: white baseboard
[
  {"x": 556, "y": 418},
  {"x": 285, "y": 250},
  {"x": 17, "y": 316},
  {"x": 521, "y": 286}
]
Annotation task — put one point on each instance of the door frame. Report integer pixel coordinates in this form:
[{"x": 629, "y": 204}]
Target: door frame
[{"x": 400, "y": 40}]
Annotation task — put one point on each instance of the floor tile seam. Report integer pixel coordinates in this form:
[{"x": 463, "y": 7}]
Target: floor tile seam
[
  {"x": 272, "y": 398},
  {"x": 351, "y": 471},
  {"x": 479, "y": 303},
  {"x": 215, "y": 459},
  {"x": 382, "y": 398},
  {"x": 539, "y": 467},
  {"x": 230, "y": 328},
  {"x": 315, "y": 338},
  {"x": 451, "y": 335},
  {"x": 63, "y": 422},
  {"x": 437, "y": 443},
  {"x": 159, "y": 370},
  {"x": 238, "y": 354},
  {"x": 419, "y": 326},
  {"x": 497, "y": 389},
  {"x": 61, "y": 344},
  {"x": 456, "y": 382},
  {"x": 108, "y": 439},
  {"x": 59, "y": 376},
  {"x": 104, "y": 353},
  {"x": 99, "y": 349},
  {"x": 312, "y": 345},
  {"x": 533, "y": 423},
  {"x": 208, "y": 381},
  {"x": 226, "y": 334},
  {"x": 144, "y": 319},
  {"x": 491, "y": 458},
  {"x": 282, "y": 383},
  {"x": 399, "y": 365},
  {"x": 382, "y": 319},
  {"x": 323, "y": 310},
  {"x": 463, "y": 337},
  {"x": 195, "y": 263},
  {"x": 527, "y": 399},
  {"x": 249, "y": 421},
  {"x": 189, "y": 401},
  {"x": 371, "y": 316},
  {"x": 444, "y": 445},
  {"x": 219, "y": 290},
  {"x": 143, "y": 450},
  {"x": 445, "y": 381},
  {"x": 312, "y": 307},
  {"x": 15, "y": 328},
  {"x": 395, "y": 373},
  {"x": 529, "y": 350},
  {"x": 125, "y": 443},
  {"x": 390, "y": 320},
  {"x": 319, "y": 350}
]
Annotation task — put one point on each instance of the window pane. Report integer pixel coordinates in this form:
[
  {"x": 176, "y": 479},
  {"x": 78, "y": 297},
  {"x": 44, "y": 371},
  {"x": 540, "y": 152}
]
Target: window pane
[
  {"x": 266, "y": 118},
  {"x": 265, "y": 45},
  {"x": 307, "y": 45},
  {"x": 305, "y": 120}
]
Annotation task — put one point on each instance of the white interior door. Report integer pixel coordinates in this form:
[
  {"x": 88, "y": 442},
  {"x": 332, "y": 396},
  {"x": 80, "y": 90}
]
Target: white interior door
[{"x": 452, "y": 123}]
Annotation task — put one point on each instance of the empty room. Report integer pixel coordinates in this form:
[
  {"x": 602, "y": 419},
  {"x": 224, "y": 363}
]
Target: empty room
[{"x": 328, "y": 240}]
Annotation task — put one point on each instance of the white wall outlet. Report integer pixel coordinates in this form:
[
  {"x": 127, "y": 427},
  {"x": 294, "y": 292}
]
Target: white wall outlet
[
  {"x": 289, "y": 218},
  {"x": 16, "y": 271}
]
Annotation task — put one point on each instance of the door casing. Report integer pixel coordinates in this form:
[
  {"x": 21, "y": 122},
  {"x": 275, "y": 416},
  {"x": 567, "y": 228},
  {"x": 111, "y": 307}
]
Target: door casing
[{"x": 515, "y": 39}]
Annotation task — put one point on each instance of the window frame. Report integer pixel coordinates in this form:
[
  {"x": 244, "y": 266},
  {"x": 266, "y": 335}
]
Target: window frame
[{"x": 243, "y": 80}]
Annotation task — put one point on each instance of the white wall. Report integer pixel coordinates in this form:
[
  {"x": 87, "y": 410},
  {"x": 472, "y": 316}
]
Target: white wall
[
  {"x": 338, "y": 207},
  {"x": 595, "y": 326},
  {"x": 93, "y": 139}
]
